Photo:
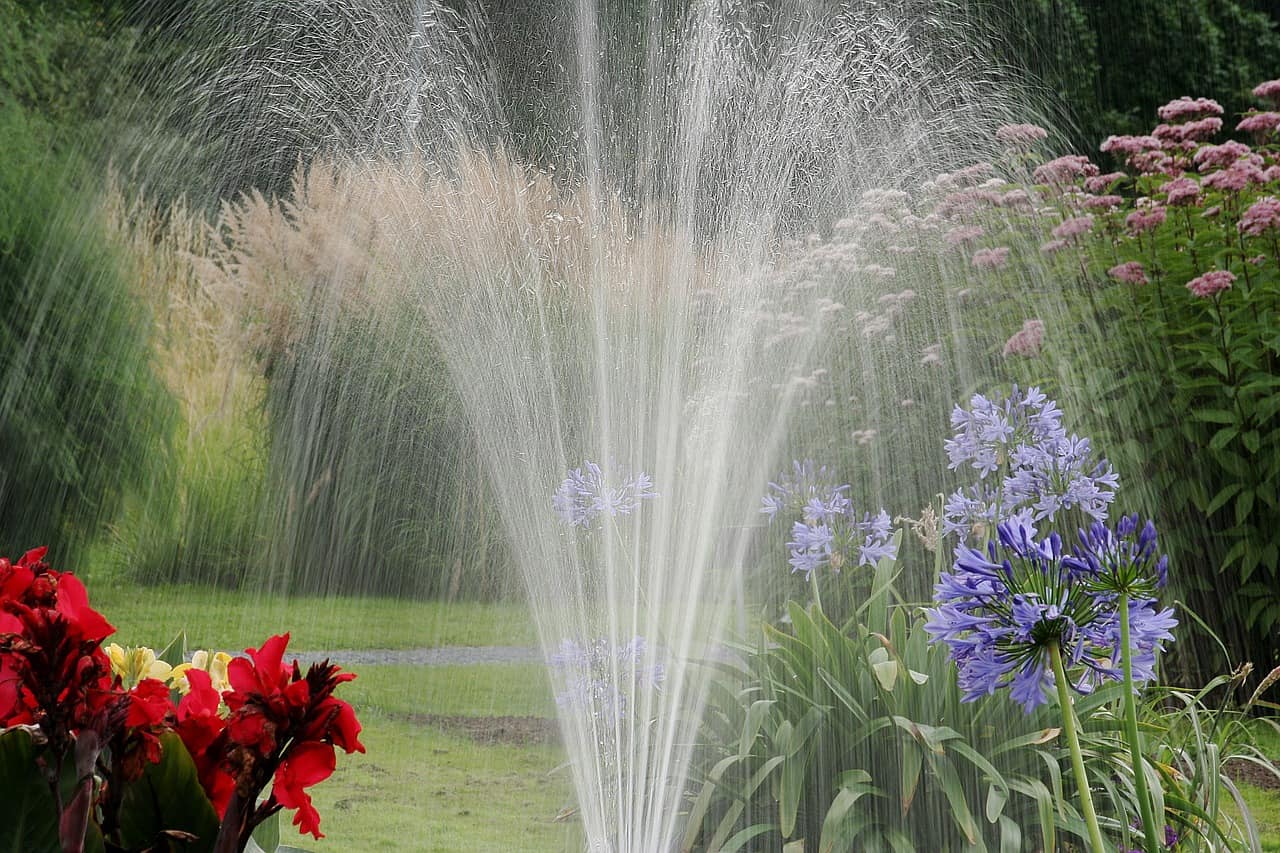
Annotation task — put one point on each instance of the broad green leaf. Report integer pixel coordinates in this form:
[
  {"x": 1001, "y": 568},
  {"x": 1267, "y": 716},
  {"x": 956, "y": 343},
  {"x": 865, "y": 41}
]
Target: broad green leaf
[
  {"x": 167, "y": 796},
  {"x": 267, "y": 834},
  {"x": 28, "y": 821}
]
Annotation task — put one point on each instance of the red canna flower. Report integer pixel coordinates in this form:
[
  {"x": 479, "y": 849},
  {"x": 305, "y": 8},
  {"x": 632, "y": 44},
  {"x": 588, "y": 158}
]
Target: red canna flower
[
  {"x": 282, "y": 729},
  {"x": 201, "y": 729}
]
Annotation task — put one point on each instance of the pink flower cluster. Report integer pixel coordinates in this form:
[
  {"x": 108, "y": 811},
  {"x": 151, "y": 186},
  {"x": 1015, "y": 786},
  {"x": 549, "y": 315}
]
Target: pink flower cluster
[
  {"x": 1268, "y": 91},
  {"x": 1145, "y": 219},
  {"x": 1130, "y": 272},
  {"x": 1174, "y": 135},
  {"x": 1185, "y": 108},
  {"x": 1263, "y": 215},
  {"x": 1182, "y": 191},
  {"x": 991, "y": 259},
  {"x": 1073, "y": 227},
  {"x": 1220, "y": 156},
  {"x": 1211, "y": 283},
  {"x": 1027, "y": 341},
  {"x": 1020, "y": 135},
  {"x": 1260, "y": 124},
  {"x": 963, "y": 234},
  {"x": 1065, "y": 169},
  {"x": 1102, "y": 183},
  {"x": 1236, "y": 177},
  {"x": 1102, "y": 202}
]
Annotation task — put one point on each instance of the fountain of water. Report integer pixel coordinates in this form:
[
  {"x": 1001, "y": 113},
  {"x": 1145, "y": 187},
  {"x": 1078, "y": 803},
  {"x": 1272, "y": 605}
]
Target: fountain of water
[{"x": 661, "y": 296}]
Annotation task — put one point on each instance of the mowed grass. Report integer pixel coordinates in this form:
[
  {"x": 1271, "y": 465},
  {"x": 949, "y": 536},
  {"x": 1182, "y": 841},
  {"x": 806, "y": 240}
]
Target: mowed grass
[
  {"x": 235, "y": 620},
  {"x": 418, "y": 789},
  {"x": 484, "y": 690}
]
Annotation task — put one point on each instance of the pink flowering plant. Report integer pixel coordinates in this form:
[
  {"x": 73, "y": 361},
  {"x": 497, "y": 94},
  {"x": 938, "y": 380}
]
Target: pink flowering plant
[{"x": 1165, "y": 248}]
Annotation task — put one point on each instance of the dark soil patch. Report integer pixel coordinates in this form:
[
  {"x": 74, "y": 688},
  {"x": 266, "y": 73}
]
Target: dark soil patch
[
  {"x": 1247, "y": 771},
  {"x": 517, "y": 731}
]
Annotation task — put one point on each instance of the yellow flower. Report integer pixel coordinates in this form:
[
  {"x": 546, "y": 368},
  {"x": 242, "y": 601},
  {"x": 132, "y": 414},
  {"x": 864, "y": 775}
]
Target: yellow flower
[
  {"x": 214, "y": 663},
  {"x": 134, "y": 663}
]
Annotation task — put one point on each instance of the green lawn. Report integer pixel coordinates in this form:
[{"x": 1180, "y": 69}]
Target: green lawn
[
  {"x": 420, "y": 788},
  {"x": 232, "y": 621}
]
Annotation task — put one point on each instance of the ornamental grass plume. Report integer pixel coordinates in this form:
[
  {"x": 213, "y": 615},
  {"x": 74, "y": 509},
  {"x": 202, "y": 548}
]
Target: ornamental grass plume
[{"x": 1211, "y": 283}]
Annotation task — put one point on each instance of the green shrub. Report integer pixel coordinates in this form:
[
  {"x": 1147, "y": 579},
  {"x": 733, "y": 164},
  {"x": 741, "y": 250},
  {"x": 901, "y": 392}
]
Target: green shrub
[{"x": 82, "y": 412}]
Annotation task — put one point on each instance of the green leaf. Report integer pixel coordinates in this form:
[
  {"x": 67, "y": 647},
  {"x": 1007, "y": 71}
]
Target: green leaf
[
  {"x": 267, "y": 835},
  {"x": 1220, "y": 499},
  {"x": 1223, "y": 437},
  {"x": 1214, "y": 416},
  {"x": 1244, "y": 503},
  {"x": 28, "y": 820},
  {"x": 168, "y": 796}
]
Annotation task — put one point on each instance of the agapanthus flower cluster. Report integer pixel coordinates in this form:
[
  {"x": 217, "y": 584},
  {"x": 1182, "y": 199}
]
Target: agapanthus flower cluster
[
  {"x": 1002, "y": 611},
  {"x": 829, "y": 533},
  {"x": 1027, "y": 465},
  {"x": 601, "y": 679},
  {"x": 587, "y": 494}
]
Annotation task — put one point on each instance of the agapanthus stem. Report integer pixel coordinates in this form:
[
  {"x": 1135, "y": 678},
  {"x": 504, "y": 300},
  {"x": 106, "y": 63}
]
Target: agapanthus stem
[
  {"x": 1073, "y": 743},
  {"x": 1131, "y": 730}
]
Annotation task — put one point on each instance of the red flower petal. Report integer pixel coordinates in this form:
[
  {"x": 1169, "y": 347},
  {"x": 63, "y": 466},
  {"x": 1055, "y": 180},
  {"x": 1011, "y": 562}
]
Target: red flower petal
[
  {"x": 305, "y": 764},
  {"x": 268, "y": 662},
  {"x": 201, "y": 700},
  {"x": 148, "y": 704},
  {"x": 35, "y": 555},
  {"x": 73, "y": 603}
]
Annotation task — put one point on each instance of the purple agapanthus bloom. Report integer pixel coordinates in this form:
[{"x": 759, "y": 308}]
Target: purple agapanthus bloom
[
  {"x": 829, "y": 532},
  {"x": 1000, "y": 611},
  {"x": 1123, "y": 559},
  {"x": 805, "y": 482},
  {"x": 1026, "y": 463},
  {"x": 587, "y": 494},
  {"x": 600, "y": 678}
]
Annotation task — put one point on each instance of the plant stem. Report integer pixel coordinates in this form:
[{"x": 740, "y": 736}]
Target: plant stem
[
  {"x": 1131, "y": 730},
  {"x": 817, "y": 599},
  {"x": 1073, "y": 743}
]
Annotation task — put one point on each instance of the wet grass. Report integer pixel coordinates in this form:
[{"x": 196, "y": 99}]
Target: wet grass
[
  {"x": 485, "y": 690},
  {"x": 419, "y": 789},
  {"x": 234, "y": 620}
]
